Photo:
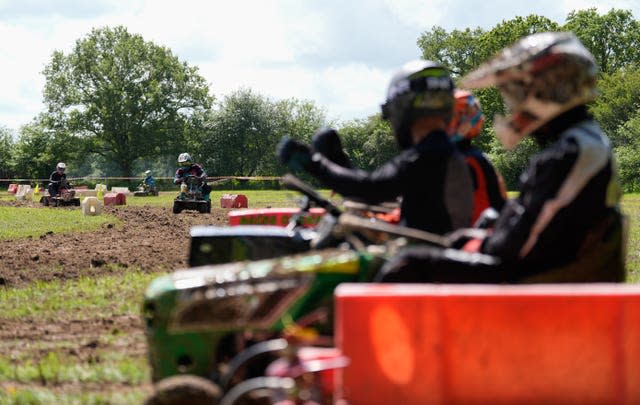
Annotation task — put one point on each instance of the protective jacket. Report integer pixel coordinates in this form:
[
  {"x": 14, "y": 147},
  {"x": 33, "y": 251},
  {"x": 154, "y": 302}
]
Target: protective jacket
[
  {"x": 564, "y": 226},
  {"x": 488, "y": 187},
  {"x": 431, "y": 177},
  {"x": 567, "y": 188},
  {"x": 54, "y": 182},
  {"x": 193, "y": 170}
]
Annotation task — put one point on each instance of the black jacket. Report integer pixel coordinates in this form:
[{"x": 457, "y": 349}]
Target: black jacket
[
  {"x": 565, "y": 189},
  {"x": 431, "y": 177}
]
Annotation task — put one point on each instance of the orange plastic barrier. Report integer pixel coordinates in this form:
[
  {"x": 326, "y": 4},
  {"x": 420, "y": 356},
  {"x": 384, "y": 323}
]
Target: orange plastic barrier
[
  {"x": 13, "y": 188},
  {"x": 273, "y": 216},
  {"x": 115, "y": 199},
  {"x": 423, "y": 344},
  {"x": 234, "y": 201}
]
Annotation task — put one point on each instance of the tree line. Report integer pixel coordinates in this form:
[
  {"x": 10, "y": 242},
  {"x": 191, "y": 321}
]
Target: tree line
[{"x": 117, "y": 105}]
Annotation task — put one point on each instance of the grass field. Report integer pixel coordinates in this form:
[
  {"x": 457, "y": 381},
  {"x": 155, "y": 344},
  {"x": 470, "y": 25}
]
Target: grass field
[{"x": 47, "y": 372}]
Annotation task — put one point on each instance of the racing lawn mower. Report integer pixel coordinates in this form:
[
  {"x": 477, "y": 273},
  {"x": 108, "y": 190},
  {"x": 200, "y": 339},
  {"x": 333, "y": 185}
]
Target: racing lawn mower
[
  {"x": 211, "y": 327},
  {"x": 191, "y": 197},
  {"x": 145, "y": 190},
  {"x": 66, "y": 196}
]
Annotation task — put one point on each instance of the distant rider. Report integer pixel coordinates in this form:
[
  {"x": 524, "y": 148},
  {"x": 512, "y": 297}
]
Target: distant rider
[
  {"x": 429, "y": 173},
  {"x": 57, "y": 177},
  {"x": 186, "y": 168},
  {"x": 149, "y": 182},
  {"x": 466, "y": 124}
]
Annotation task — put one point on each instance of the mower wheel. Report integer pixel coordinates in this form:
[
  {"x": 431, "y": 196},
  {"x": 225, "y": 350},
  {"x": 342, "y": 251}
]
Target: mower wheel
[
  {"x": 202, "y": 208},
  {"x": 45, "y": 201},
  {"x": 209, "y": 206},
  {"x": 185, "y": 389},
  {"x": 176, "y": 208}
]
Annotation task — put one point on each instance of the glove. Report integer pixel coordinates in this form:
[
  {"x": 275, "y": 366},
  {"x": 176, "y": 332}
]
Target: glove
[
  {"x": 294, "y": 154},
  {"x": 327, "y": 142}
]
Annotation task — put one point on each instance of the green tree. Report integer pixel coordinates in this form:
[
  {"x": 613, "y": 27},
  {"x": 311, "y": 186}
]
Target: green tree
[
  {"x": 244, "y": 129},
  {"x": 618, "y": 101},
  {"x": 613, "y": 38},
  {"x": 6, "y": 153},
  {"x": 628, "y": 153},
  {"x": 130, "y": 99},
  {"x": 368, "y": 142},
  {"x": 38, "y": 150},
  {"x": 459, "y": 50}
]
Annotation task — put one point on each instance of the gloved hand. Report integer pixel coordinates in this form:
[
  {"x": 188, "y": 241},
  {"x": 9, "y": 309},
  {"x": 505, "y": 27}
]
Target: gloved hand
[
  {"x": 293, "y": 154},
  {"x": 327, "y": 142}
]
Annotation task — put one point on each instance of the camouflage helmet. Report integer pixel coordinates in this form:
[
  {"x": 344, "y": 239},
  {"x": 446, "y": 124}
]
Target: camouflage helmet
[{"x": 539, "y": 77}]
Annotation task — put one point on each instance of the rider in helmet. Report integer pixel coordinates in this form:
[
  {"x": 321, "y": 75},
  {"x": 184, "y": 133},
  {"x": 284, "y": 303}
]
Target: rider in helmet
[
  {"x": 56, "y": 178},
  {"x": 429, "y": 173},
  {"x": 186, "y": 168},
  {"x": 564, "y": 226},
  {"x": 149, "y": 183},
  {"x": 488, "y": 186}
]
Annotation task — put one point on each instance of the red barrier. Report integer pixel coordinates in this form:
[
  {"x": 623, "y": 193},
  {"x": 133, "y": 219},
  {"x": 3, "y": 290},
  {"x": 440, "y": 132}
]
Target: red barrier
[
  {"x": 234, "y": 201},
  {"x": 115, "y": 199},
  {"x": 13, "y": 188},
  {"x": 273, "y": 216},
  {"x": 419, "y": 344}
]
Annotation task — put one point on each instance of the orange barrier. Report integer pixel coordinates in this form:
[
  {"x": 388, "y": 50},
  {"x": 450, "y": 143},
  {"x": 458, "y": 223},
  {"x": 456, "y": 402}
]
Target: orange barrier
[
  {"x": 234, "y": 201},
  {"x": 422, "y": 344},
  {"x": 273, "y": 216},
  {"x": 115, "y": 199}
]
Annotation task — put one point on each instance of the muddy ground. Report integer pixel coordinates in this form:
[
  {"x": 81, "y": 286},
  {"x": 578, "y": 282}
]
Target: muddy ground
[
  {"x": 148, "y": 238},
  {"x": 152, "y": 239}
]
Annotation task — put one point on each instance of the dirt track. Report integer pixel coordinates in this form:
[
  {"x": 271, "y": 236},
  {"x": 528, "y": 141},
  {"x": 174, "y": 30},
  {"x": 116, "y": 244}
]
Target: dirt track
[{"x": 149, "y": 238}]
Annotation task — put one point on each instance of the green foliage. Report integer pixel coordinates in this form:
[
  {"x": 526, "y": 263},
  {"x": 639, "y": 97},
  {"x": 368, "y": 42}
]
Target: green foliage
[
  {"x": 39, "y": 149},
  {"x": 368, "y": 142},
  {"x": 244, "y": 129},
  {"x": 127, "y": 98},
  {"x": 459, "y": 50},
  {"x": 6, "y": 153},
  {"x": 618, "y": 101},
  {"x": 613, "y": 38},
  {"x": 628, "y": 154},
  {"x": 511, "y": 164},
  {"x": 463, "y": 50}
]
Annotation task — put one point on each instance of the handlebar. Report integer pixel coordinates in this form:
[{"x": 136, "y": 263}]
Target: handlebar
[{"x": 293, "y": 183}]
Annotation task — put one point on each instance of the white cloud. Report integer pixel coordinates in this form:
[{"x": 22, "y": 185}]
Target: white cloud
[{"x": 338, "y": 54}]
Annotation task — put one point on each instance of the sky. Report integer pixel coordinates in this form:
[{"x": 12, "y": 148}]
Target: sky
[{"x": 340, "y": 54}]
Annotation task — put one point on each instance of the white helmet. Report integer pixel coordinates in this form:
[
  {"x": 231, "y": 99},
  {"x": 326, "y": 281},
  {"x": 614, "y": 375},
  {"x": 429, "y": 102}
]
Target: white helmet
[
  {"x": 61, "y": 166},
  {"x": 184, "y": 159},
  {"x": 147, "y": 173},
  {"x": 539, "y": 77}
]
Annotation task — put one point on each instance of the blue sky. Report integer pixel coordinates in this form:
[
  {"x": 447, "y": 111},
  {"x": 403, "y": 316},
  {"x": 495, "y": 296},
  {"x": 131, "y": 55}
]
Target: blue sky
[{"x": 339, "y": 54}]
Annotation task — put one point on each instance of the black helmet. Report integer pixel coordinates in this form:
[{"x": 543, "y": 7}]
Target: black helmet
[{"x": 420, "y": 88}]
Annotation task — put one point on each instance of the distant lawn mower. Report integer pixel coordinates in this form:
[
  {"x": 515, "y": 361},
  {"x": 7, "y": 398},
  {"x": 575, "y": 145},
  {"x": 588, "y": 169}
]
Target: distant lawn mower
[
  {"x": 66, "y": 196},
  {"x": 145, "y": 190},
  {"x": 191, "y": 197}
]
